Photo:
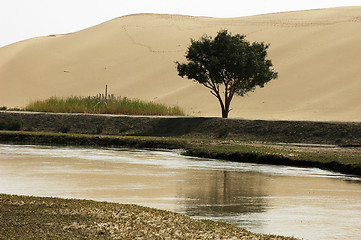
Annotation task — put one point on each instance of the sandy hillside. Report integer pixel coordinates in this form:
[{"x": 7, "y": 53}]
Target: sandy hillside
[{"x": 317, "y": 54}]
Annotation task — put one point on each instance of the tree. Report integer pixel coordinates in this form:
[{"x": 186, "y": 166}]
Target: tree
[{"x": 227, "y": 65}]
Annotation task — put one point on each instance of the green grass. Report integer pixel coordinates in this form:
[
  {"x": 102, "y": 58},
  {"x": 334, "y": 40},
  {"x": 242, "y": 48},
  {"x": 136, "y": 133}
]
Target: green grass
[
  {"x": 323, "y": 157},
  {"x": 47, "y": 138},
  {"x": 344, "y": 162},
  {"x": 110, "y": 106}
]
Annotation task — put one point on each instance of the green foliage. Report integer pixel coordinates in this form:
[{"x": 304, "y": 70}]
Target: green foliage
[
  {"x": 96, "y": 106},
  {"x": 227, "y": 65}
]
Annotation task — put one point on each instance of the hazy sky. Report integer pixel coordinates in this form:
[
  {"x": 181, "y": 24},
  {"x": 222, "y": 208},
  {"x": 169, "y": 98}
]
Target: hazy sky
[{"x": 22, "y": 19}]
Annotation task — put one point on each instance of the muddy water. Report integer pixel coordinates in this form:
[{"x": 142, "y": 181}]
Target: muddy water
[{"x": 305, "y": 203}]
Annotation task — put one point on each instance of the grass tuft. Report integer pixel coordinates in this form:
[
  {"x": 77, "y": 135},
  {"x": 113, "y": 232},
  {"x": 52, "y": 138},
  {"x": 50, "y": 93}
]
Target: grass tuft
[{"x": 110, "y": 106}]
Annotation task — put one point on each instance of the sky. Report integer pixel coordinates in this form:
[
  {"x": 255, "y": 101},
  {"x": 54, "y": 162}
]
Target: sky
[{"x": 23, "y": 19}]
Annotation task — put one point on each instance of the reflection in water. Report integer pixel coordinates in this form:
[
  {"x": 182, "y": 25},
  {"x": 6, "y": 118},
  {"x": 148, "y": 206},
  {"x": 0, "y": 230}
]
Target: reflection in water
[
  {"x": 219, "y": 192},
  {"x": 306, "y": 203},
  {"x": 216, "y": 194}
]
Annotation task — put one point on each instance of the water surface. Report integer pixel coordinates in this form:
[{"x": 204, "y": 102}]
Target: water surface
[{"x": 303, "y": 202}]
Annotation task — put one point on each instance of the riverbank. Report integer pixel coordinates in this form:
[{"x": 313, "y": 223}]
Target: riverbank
[
  {"x": 43, "y": 218},
  {"x": 326, "y": 145},
  {"x": 210, "y": 143},
  {"x": 334, "y": 133},
  {"x": 338, "y": 159}
]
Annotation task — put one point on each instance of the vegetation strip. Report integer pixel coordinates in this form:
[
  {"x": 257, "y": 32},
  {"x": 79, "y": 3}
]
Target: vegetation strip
[
  {"x": 347, "y": 161},
  {"x": 343, "y": 163},
  {"x": 103, "y": 106},
  {"x": 91, "y": 140}
]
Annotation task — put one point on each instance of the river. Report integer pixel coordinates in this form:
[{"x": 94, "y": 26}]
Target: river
[{"x": 306, "y": 203}]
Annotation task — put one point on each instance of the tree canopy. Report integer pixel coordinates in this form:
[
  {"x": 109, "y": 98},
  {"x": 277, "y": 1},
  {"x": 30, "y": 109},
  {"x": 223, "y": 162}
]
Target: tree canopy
[{"x": 227, "y": 65}]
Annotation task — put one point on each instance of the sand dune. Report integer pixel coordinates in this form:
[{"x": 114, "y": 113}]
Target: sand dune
[{"x": 317, "y": 54}]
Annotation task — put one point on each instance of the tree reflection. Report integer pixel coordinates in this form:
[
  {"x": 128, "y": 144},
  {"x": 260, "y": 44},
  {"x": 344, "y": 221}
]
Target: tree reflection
[{"x": 220, "y": 193}]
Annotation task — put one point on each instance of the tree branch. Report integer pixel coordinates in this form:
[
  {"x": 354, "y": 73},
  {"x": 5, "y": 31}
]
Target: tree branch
[{"x": 214, "y": 94}]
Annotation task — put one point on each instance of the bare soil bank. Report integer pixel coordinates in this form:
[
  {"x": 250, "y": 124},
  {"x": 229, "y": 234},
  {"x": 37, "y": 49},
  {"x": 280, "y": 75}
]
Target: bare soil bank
[{"x": 336, "y": 133}]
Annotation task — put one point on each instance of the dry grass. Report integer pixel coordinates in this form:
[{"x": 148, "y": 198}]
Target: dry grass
[
  {"x": 111, "y": 106},
  {"x": 54, "y": 218}
]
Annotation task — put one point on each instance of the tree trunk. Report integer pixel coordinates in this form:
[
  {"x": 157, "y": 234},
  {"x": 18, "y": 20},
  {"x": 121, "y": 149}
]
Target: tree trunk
[
  {"x": 227, "y": 104},
  {"x": 224, "y": 107},
  {"x": 225, "y": 113}
]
